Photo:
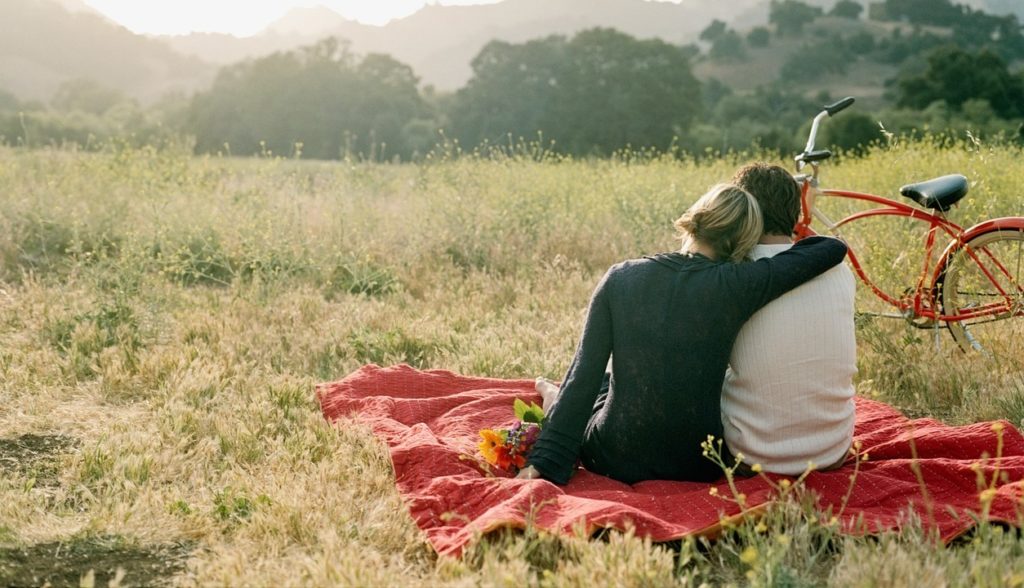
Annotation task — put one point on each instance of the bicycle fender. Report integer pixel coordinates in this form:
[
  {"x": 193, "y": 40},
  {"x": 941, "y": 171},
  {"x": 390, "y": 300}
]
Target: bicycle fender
[
  {"x": 1006, "y": 222},
  {"x": 1015, "y": 223}
]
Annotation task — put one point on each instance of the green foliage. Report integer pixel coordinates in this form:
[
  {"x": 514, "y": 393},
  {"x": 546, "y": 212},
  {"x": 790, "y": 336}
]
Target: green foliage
[
  {"x": 790, "y": 16},
  {"x": 900, "y": 48},
  {"x": 847, "y": 9},
  {"x": 82, "y": 338},
  {"x": 811, "y": 61},
  {"x": 319, "y": 101},
  {"x": 362, "y": 276},
  {"x": 861, "y": 43},
  {"x": 955, "y": 76},
  {"x": 853, "y": 131},
  {"x": 728, "y": 46},
  {"x": 232, "y": 506},
  {"x": 933, "y": 12},
  {"x": 972, "y": 29},
  {"x": 759, "y": 37},
  {"x": 393, "y": 346},
  {"x": 86, "y": 95},
  {"x": 528, "y": 413},
  {"x": 581, "y": 93},
  {"x": 713, "y": 31},
  {"x": 124, "y": 123},
  {"x": 200, "y": 259},
  {"x": 770, "y": 118}
]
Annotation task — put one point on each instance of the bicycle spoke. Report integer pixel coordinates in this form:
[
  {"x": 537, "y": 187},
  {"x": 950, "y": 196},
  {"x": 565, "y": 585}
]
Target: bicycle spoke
[{"x": 983, "y": 284}]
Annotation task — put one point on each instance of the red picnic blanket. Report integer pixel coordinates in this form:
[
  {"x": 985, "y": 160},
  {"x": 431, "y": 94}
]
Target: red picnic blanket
[{"x": 431, "y": 420}]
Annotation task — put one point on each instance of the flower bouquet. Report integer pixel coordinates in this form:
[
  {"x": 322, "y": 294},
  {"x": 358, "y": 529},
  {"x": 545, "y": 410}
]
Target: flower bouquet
[{"x": 508, "y": 448}]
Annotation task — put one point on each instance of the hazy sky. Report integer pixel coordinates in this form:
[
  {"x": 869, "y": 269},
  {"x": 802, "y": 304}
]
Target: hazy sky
[{"x": 244, "y": 17}]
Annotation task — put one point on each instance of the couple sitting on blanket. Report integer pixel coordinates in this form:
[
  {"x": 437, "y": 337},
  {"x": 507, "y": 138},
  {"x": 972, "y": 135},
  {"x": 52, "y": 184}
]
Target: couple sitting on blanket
[{"x": 741, "y": 335}]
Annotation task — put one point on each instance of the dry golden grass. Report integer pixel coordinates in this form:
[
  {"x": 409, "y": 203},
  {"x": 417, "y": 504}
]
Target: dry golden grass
[{"x": 172, "y": 314}]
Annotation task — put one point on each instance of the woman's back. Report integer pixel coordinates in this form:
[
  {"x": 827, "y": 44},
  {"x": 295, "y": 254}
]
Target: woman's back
[{"x": 668, "y": 322}]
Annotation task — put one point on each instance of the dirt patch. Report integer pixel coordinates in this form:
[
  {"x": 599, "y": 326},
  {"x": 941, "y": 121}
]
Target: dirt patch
[
  {"x": 35, "y": 456},
  {"x": 67, "y": 563}
]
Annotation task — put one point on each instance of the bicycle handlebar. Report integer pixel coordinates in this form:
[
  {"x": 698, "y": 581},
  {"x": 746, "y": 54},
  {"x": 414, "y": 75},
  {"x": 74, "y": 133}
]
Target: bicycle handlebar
[
  {"x": 830, "y": 110},
  {"x": 836, "y": 107}
]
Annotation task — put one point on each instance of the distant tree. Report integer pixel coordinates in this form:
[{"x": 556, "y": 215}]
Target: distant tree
[
  {"x": 320, "y": 101},
  {"x": 622, "y": 91},
  {"x": 514, "y": 90},
  {"x": 818, "y": 59},
  {"x": 852, "y": 131},
  {"x": 714, "y": 90},
  {"x": 387, "y": 99},
  {"x": 599, "y": 91},
  {"x": 899, "y": 48},
  {"x": 931, "y": 12},
  {"x": 955, "y": 76},
  {"x": 978, "y": 110},
  {"x": 726, "y": 44},
  {"x": 690, "y": 50},
  {"x": 766, "y": 118},
  {"x": 86, "y": 95},
  {"x": 759, "y": 37},
  {"x": 790, "y": 16},
  {"x": 861, "y": 43},
  {"x": 713, "y": 31},
  {"x": 728, "y": 47},
  {"x": 847, "y": 9},
  {"x": 972, "y": 29}
]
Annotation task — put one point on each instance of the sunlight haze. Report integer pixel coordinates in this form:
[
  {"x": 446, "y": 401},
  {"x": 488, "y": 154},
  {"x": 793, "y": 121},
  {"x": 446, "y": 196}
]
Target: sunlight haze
[{"x": 179, "y": 17}]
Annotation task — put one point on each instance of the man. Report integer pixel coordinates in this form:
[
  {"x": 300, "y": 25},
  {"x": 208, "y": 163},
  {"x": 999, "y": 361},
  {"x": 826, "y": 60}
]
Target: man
[{"x": 788, "y": 395}]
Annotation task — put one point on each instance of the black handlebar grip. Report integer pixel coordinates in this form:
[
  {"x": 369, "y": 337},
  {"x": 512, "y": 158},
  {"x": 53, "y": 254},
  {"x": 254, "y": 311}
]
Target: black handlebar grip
[{"x": 838, "y": 106}]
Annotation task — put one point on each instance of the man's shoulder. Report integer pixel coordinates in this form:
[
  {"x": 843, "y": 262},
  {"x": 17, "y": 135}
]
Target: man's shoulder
[{"x": 837, "y": 275}]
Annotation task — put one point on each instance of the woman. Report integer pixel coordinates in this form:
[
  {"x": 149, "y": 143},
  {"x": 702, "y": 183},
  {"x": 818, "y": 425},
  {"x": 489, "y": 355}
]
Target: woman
[{"x": 668, "y": 323}]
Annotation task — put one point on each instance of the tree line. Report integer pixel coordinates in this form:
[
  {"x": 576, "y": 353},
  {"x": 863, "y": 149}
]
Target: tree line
[{"x": 590, "y": 94}]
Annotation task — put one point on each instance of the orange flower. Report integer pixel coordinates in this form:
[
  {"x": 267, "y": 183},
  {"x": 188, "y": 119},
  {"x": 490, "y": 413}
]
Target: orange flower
[
  {"x": 492, "y": 440},
  {"x": 519, "y": 460},
  {"x": 503, "y": 458}
]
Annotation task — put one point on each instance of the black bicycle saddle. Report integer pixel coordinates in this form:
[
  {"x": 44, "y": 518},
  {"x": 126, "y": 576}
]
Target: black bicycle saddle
[{"x": 939, "y": 193}]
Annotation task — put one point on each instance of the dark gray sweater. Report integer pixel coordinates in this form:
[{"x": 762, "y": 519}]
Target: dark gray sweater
[{"x": 668, "y": 322}]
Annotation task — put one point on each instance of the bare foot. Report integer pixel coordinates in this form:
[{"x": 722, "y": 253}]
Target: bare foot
[{"x": 548, "y": 391}]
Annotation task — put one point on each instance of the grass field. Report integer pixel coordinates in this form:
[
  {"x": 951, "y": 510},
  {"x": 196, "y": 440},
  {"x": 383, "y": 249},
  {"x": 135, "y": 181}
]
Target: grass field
[{"x": 164, "y": 319}]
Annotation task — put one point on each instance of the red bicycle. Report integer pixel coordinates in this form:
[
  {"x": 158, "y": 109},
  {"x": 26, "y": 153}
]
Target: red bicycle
[{"x": 973, "y": 287}]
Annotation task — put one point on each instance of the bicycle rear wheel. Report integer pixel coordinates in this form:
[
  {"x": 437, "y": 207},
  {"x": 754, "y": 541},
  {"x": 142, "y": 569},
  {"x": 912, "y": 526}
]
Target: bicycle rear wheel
[{"x": 984, "y": 278}]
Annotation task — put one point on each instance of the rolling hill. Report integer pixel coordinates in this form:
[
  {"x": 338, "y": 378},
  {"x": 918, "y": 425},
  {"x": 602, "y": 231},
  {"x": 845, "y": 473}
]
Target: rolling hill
[
  {"x": 440, "y": 41},
  {"x": 43, "y": 44}
]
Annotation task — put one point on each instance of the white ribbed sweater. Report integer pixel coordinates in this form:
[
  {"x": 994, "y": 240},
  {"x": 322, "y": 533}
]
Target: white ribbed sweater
[{"x": 788, "y": 394}]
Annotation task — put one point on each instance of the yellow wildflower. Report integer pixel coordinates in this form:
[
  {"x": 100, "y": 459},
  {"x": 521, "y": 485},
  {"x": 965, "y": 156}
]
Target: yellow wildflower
[
  {"x": 749, "y": 555},
  {"x": 491, "y": 441}
]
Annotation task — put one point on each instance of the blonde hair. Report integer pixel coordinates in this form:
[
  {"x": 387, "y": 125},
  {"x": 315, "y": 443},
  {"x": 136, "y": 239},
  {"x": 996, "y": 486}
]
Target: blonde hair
[{"x": 727, "y": 219}]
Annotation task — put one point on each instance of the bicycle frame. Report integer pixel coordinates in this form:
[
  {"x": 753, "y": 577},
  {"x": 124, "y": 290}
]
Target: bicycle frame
[
  {"x": 924, "y": 304},
  {"x": 923, "y": 301}
]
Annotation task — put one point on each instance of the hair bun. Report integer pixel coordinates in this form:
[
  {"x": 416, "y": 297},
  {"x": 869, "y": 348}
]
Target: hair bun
[
  {"x": 698, "y": 220},
  {"x": 688, "y": 223}
]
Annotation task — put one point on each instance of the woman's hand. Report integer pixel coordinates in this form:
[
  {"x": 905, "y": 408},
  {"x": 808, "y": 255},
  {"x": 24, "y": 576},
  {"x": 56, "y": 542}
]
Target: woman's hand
[{"x": 528, "y": 473}]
